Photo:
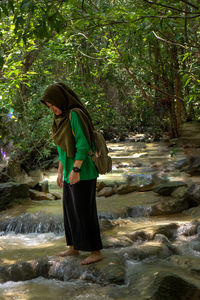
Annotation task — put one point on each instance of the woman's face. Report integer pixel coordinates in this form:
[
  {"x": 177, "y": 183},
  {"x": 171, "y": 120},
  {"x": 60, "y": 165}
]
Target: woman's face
[{"x": 57, "y": 111}]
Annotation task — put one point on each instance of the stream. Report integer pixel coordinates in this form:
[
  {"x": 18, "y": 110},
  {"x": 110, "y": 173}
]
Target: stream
[{"x": 144, "y": 255}]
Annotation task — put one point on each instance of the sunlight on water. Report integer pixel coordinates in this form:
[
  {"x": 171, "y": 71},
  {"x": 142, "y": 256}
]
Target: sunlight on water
[{"x": 42, "y": 289}]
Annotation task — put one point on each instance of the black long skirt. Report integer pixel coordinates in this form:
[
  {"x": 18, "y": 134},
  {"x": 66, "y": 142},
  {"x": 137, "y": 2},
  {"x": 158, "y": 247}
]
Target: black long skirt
[{"x": 80, "y": 215}]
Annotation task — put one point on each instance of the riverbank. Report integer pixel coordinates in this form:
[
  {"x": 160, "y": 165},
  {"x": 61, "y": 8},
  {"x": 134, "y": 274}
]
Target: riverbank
[{"x": 144, "y": 254}]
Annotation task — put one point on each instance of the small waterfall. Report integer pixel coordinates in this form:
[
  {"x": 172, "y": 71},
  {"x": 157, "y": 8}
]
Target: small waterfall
[{"x": 32, "y": 223}]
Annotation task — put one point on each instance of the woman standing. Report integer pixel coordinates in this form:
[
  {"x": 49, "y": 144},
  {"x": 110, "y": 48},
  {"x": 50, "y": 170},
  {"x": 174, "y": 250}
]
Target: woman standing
[{"x": 72, "y": 133}]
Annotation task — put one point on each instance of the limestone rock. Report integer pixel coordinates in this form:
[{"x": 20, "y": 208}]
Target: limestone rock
[
  {"x": 106, "y": 192},
  {"x": 125, "y": 189},
  {"x": 170, "y": 286},
  {"x": 111, "y": 270},
  {"x": 141, "y": 182},
  {"x": 100, "y": 185},
  {"x": 179, "y": 192},
  {"x": 191, "y": 165},
  {"x": 36, "y": 195},
  {"x": 24, "y": 270},
  {"x": 170, "y": 206},
  {"x": 147, "y": 249},
  {"x": 4, "y": 177},
  {"x": 192, "y": 195},
  {"x": 57, "y": 195},
  {"x": 165, "y": 189},
  {"x": 11, "y": 193},
  {"x": 168, "y": 230}
]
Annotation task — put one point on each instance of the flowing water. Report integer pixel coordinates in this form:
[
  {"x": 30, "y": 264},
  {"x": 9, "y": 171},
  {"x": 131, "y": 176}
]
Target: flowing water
[{"x": 33, "y": 231}]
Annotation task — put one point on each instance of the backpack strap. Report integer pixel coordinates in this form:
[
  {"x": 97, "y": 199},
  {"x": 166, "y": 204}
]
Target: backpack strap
[{"x": 90, "y": 153}]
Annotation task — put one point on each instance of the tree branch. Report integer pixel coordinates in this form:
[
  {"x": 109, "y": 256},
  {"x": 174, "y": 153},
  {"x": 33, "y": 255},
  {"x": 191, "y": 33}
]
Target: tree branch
[
  {"x": 190, "y": 4},
  {"x": 166, "y": 6},
  {"x": 165, "y": 93}
]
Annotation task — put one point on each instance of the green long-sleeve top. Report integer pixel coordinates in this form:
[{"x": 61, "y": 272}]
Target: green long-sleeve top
[{"x": 88, "y": 169}]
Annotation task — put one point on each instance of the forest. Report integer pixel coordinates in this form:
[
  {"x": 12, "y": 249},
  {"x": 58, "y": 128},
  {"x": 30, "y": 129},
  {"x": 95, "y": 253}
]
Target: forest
[{"x": 134, "y": 64}]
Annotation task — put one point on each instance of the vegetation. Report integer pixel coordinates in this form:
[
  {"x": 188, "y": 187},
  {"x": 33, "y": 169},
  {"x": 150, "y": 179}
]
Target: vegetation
[{"x": 135, "y": 65}]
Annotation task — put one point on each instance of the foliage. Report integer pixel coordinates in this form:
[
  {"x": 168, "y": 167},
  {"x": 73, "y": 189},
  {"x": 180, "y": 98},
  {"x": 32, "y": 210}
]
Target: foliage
[{"x": 135, "y": 65}]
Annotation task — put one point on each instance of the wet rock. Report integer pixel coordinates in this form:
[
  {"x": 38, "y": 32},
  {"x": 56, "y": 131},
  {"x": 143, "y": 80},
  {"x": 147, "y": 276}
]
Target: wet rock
[
  {"x": 140, "y": 182},
  {"x": 191, "y": 165},
  {"x": 170, "y": 286},
  {"x": 169, "y": 230},
  {"x": 164, "y": 240},
  {"x": 117, "y": 242},
  {"x": 110, "y": 270},
  {"x": 145, "y": 250},
  {"x": 24, "y": 270},
  {"x": 125, "y": 189},
  {"x": 19, "y": 175},
  {"x": 188, "y": 229},
  {"x": 106, "y": 225},
  {"x": 100, "y": 185},
  {"x": 170, "y": 206},
  {"x": 193, "y": 212},
  {"x": 165, "y": 189},
  {"x": 106, "y": 192},
  {"x": 179, "y": 192},
  {"x": 57, "y": 195},
  {"x": 36, "y": 195},
  {"x": 4, "y": 177},
  {"x": 12, "y": 193},
  {"x": 192, "y": 195}
]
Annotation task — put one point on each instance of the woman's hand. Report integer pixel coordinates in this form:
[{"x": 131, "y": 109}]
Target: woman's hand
[
  {"x": 60, "y": 180},
  {"x": 74, "y": 177}
]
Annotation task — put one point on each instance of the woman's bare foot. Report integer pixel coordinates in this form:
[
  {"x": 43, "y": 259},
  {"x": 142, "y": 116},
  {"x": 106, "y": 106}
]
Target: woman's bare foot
[
  {"x": 95, "y": 256},
  {"x": 69, "y": 252}
]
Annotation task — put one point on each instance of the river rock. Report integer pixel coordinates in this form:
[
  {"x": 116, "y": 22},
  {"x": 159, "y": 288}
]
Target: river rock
[
  {"x": 24, "y": 270},
  {"x": 145, "y": 250},
  {"x": 165, "y": 189},
  {"x": 193, "y": 212},
  {"x": 171, "y": 286},
  {"x": 192, "y": 195},
  {"x": 110, "y": 270},
  {"x": 141, "y": 182},
  {"x": 191, "y": 165},
  {"x": 106, "y": 192},
  {"x": 188, "y": 229},
  {"x": 179, "y": 192},
  {"x": 57, "y": 195},
  {"x": 170, "y": 206},
  {"x": 100, "y": 185},
  {"x": 36, "y": 195},
  {"x": 125, "y": 189},
  {"x": 12, "y": 193},
  {"x": 4, "y": 177},
  {"x": 117, "y": 242},
  {"x": 168, "y": 230}
]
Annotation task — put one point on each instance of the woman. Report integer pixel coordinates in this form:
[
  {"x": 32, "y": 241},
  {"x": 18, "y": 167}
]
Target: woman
[{"x": 72, "y": 133}]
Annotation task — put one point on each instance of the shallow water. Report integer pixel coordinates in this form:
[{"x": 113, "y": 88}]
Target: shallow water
[
  {"x": 154, "y": 157},
  {"x": 42, "y": 289}
]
